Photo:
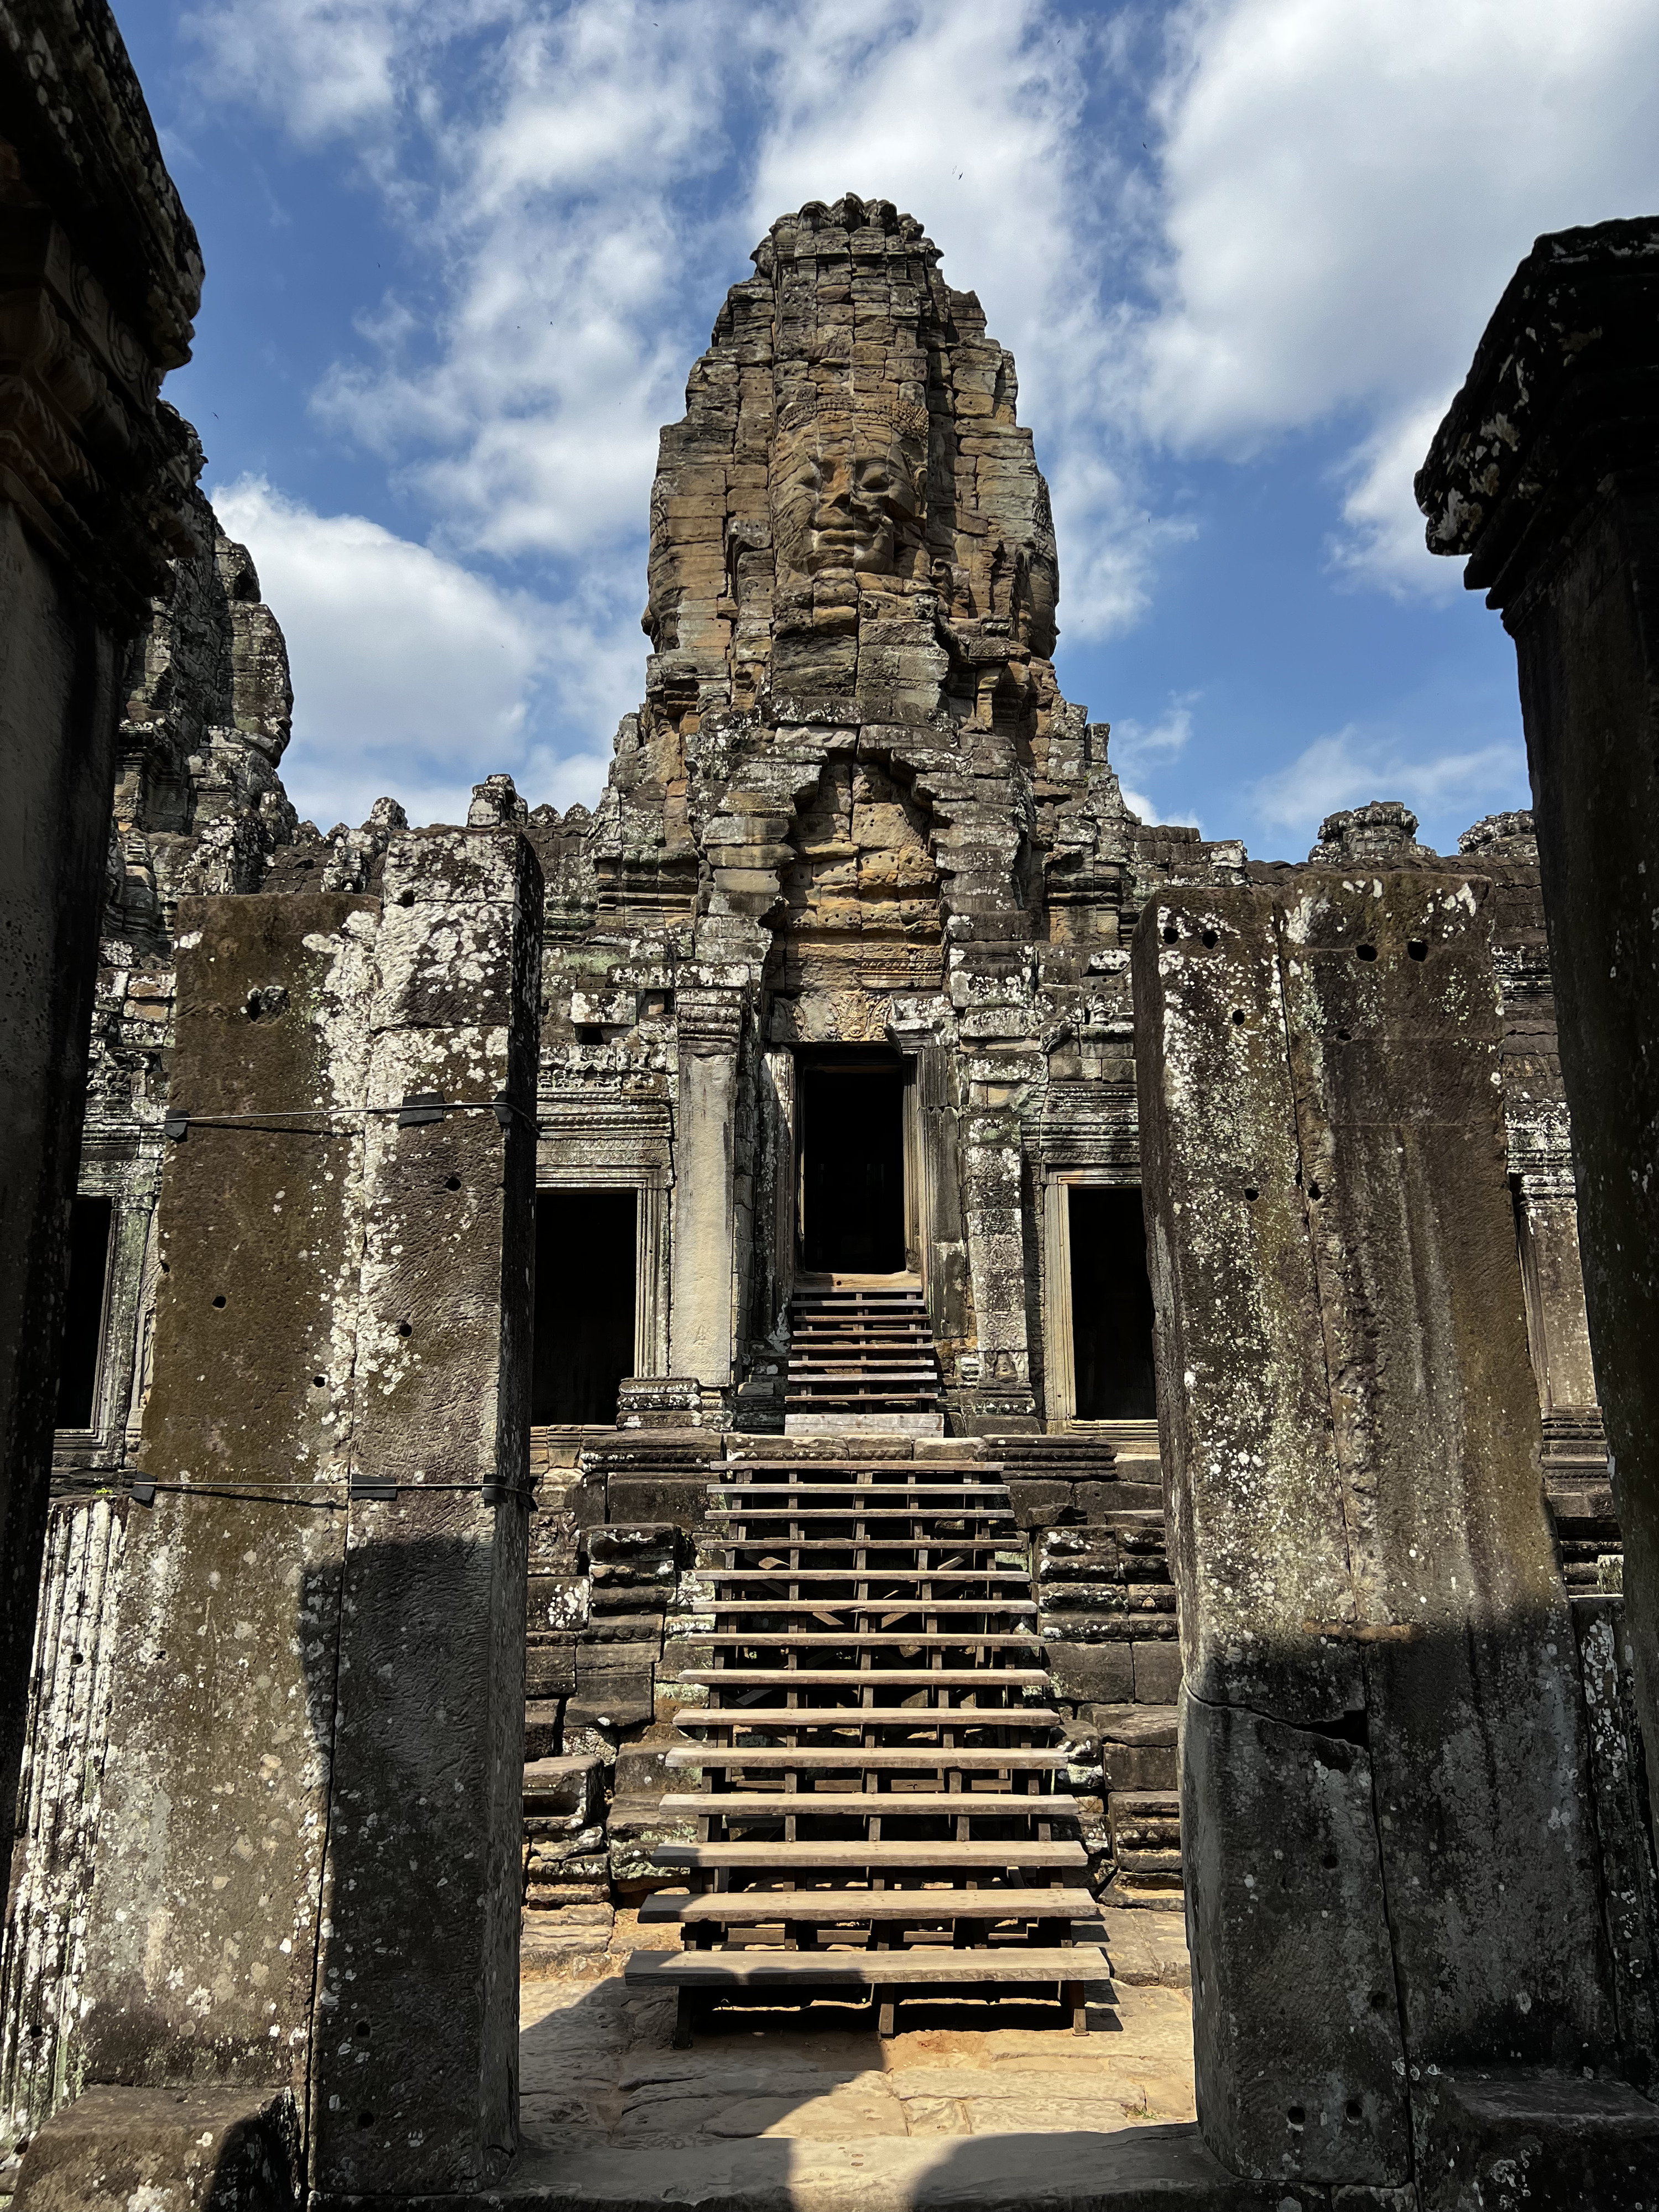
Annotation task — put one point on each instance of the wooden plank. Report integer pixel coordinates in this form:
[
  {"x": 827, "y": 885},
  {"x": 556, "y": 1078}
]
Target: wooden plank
[
  {"x": 866, "y": 1805},
  {"x": 799, "y": 1639},
  {"x": 909, "y": 1856},
  {"x": 760, "y": 1908},
  {"x": 784, "y": 1573},
  {"x": 923, "y": 1967},
  {"x": 831, "y": 1757},
  {"x": 862, "y": 1716},
  {"x": 827, "y": 1604},
  {"x": 888, "y": 1678}
]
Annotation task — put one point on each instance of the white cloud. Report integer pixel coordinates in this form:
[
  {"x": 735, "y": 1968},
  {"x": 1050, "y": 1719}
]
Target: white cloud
[
  {"x": 1333, "y": 199},
  {"x": 412, "y": 677},
  {"x": 1347, "y": 190},
  {"x": 1140, "y": 748},
  {"x": 1446, "y": 791}
]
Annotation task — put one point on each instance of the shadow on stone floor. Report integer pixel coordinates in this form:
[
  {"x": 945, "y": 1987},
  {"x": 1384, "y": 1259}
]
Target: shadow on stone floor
[{"x": 968, "y": 2103}]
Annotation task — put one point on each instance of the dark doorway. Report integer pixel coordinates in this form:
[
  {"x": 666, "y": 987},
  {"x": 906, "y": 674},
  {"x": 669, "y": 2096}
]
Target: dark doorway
[
  {"x": 84, "y": 1312},
  {"x": 852, "y": 1135},
  {"x": 1111, "y": 1307},
  {"x": 584, "y": 1337}
]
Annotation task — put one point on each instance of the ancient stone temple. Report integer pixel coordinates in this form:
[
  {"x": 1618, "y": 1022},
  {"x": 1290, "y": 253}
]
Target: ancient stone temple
[{"x": 1038, "y": 1452}]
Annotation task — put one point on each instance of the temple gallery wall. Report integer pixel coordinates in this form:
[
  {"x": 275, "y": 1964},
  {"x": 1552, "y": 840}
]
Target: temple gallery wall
[{"x": 927, "y": 1386}]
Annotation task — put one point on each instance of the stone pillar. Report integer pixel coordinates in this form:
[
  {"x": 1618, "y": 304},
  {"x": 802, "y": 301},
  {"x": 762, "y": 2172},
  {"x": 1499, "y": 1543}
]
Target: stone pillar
[
  {"x": 99, "y": 276},
  {"x": 308, "y": 1882},
  {"x": 1390, "y": 1857},
  {"x": 1545, "y": 475},
  {"x": 414, "y": 2059},
  {"x": 705, "y": 1218}
]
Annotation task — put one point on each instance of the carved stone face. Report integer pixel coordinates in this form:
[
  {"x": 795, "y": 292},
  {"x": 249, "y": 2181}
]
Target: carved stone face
[{"x": 844, "y": 496}]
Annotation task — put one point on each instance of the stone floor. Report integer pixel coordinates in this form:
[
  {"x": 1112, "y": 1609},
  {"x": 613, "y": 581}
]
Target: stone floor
[{"x": 813, "y": 2109}]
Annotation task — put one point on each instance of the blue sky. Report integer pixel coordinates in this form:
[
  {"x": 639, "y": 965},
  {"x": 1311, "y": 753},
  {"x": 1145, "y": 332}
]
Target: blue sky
[{"x": 462, "y": 253}]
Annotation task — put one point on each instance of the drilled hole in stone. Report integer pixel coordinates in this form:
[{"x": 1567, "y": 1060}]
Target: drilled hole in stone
[
  {"x": 1329, "y": 1860},
  {"x": 1379, "y": 2001},
  {"x": 1344, "y": 1038},
  {"x": 1208, "y": 938},
  {"x": 1251, "y": 1193},
  {"x": 1297, "y": 2117},
  {"x": 1238, "y": 1015},
  {"x": 1418, "y": 947},
  {"x": 405, "y": 898},
  {"x": 405, "y": 1329},
  {"x": 362, "y": 2031},
  {"x": 1353, "y": 2108},
  {"x": 452, "y": 1182},
  {"x": 219, "y": 1300},
  {"x": 365, "y": 2119},
  {"x": 1313, "y": 1190},
  {"x": 1171, "y": 932},
  {"x": 320, "y": 1382},
  {"x": 1365, "y": 952}
]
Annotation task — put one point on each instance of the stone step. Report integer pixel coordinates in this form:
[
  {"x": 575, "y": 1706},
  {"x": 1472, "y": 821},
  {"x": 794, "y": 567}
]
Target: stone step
[{"x": 745, "y": 1577}]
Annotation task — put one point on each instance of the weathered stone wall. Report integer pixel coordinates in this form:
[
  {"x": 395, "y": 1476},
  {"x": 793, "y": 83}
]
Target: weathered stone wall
[{"x": 1382, "y": 1680}]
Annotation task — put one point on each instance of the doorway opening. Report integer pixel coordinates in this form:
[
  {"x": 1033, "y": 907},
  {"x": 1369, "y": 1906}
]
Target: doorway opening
[
  {"x": 1111, "y": 1306},
  {"x": 852, "y": 1180},
  {"x": 84, "y": 1312},
  {"x": 584, "y": 1302}
]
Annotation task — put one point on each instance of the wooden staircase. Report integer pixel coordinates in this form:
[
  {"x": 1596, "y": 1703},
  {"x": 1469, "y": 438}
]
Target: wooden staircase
[
  {"x": 864, "y": 1351},
  {"x": 881, "y": 1801}
]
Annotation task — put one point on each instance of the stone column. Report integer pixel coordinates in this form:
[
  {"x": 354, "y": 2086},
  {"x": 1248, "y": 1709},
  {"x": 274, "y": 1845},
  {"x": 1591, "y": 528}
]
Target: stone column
[
  {"x": 414, "y": 2062},
  {"x": 307, "y": 1883},
  {"x": 1545, "y": 475},
  {"x": 705, "y": 1219},
  {"x": 1391, "y": 1858},
  {"x": 99, "y": 276}
]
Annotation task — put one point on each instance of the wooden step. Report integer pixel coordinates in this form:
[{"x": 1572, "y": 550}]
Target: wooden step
[
  {"x": 868, "y": 1804},
  {"x": 894, "y": 1678},
  {"x": 928, "y": 1965},
  {"x": 967, "y": 1858},
  {"x": 826, "y": 1604},
  {"x": 830, "y": 1758},
  {"x": 861, "y": 1716},
  {"x": 760, "y": 1908},
  {"x": 799, "y": 1639},
  {"x": 746, "y": 1577}
]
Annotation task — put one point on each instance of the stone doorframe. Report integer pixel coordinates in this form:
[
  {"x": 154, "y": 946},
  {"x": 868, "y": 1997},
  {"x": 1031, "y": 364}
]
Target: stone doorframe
[
  {"x": 124, "y": 1168},
  {"x": 650, "y": 1186},
  {"x": 1059, "y": 1351}
]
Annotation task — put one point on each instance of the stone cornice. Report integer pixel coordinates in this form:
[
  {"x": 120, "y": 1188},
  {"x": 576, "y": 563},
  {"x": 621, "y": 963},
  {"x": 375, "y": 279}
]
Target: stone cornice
[
  {"x": 1565, "y": 385},
  {"x": 71, "y": 105},
  {"x": 101, "y": 470}
]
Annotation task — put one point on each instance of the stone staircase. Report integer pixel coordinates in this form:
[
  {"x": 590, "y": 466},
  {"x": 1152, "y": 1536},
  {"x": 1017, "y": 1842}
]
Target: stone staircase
[
  {"x": 861, "y": 1356},
  {"x": 880, "y": 1800}
]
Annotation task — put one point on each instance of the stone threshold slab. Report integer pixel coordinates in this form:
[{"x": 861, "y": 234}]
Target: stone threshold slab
[{"x": 1134, "y": 2169}]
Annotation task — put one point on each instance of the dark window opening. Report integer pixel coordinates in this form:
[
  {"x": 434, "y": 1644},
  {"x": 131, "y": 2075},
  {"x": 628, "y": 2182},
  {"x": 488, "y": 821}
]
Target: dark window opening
[
  {"x": 852, "y": 1135},
  {"x": 84, "y": 1312},
  {"x": 1111, "y": 1306},
  {"x": 584, "y": 1325}
]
